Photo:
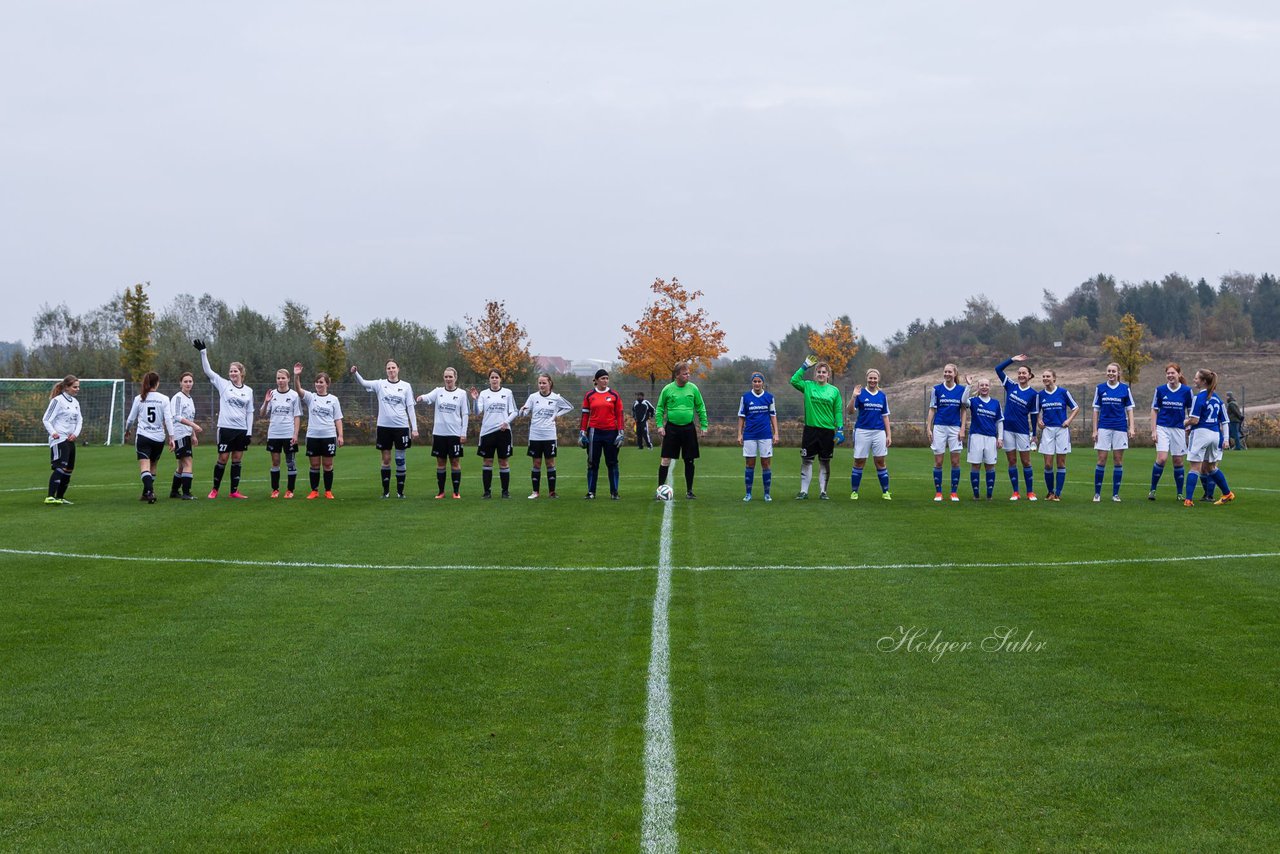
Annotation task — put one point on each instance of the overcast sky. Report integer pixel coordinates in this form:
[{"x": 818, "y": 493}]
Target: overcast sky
[{"x": 795, "y": 161}]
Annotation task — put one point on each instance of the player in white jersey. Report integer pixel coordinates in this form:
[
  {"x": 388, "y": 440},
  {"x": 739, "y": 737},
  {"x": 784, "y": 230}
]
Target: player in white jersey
[
  {"x": 150, "y": 412},
  {"x": 324, "y": 429},
  {"x": 543, "y": 408},
  {"x": 63, "y": 422},
  {"x": 183, "y": 428},
  {"x": 449, "y": 429},
  {"x": 235, "y": 420},
  {"x": 397, "y": 423},
  {"x": 283, "y": 408},
  {"x": 496, "y": 406}
]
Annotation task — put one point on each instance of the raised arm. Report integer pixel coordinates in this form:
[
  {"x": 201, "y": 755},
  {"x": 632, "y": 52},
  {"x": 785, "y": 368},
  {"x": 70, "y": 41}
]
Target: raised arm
[{"x": 368, "y": 386}]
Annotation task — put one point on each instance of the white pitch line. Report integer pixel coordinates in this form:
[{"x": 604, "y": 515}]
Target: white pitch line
[
  {"x": 658, "y": 826},
  {"x": 1029, "y": 564},
  {"x": 286, "y": 564}
]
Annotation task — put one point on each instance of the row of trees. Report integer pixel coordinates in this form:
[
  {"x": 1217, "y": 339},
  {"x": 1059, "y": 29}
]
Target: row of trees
[{"x": 126, "y": 335}]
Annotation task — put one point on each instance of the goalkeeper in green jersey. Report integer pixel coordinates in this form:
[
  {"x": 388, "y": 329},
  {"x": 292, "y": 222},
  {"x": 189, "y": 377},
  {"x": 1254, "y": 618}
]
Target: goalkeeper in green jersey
[
  {"x": 823, "y": 424},
  {"x": 680, "y": 415}
]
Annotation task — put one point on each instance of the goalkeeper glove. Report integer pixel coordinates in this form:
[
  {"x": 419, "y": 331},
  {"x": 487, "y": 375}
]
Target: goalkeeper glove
[
  {"x": 809, "y": 361},
  {"x": 617, "y": 443},
  {"x": 582, "y": 438},
  {"x": 839, "y": 435},
  {"x": 198, "y": 343}
]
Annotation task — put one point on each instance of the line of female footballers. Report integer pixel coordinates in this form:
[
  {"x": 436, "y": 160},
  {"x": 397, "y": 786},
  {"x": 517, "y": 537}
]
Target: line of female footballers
[{"x": 1186, "y": 426}]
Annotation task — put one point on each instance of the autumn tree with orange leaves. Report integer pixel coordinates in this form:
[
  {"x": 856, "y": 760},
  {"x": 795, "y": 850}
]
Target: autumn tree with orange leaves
[
  {"x": 835, "y": 344},
  {"x": 495, "y": 341},
  {"x": 671, "y": 331}
]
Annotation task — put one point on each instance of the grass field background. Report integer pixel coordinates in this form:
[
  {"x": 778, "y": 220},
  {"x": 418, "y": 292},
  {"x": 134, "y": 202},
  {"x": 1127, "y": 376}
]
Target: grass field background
[{"x": 303, "y": 675}]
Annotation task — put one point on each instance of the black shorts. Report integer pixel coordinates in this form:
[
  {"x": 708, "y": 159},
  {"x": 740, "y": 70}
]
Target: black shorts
[
  {"x": 182, "y": 447},
  {"x": 542, "y": 448},
  {"x": 282, "y": 446},
  {"x": 681, "y": 441},
  {"x": 446, "y": 446},
  {"x": 322, "y": 446},
  {"x": 148, "y": 449},
  {"x": 498, "y": 442},
  {"x": 62, "y": 456},
  {"x": 817, "y": 442},
  {"x": 232, "y": 440},
  {"x": 393, "y": 437}
]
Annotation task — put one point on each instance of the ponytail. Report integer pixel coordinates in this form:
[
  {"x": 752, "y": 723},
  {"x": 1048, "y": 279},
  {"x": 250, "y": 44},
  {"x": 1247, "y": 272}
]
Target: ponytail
[
  {"x": 58, "y": 388},
  {"x": 150, "y": 382},
  {"x": 1210, "y": 382}
]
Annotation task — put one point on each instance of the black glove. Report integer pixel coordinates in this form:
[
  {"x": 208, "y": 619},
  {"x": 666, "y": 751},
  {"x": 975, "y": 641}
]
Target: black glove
[{"x": 198, "y": 343}]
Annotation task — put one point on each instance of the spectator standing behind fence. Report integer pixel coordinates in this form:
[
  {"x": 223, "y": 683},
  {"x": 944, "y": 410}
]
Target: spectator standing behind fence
[
  {"x": 641, "y": 412},
  {"x": 1235, "y": 418}
]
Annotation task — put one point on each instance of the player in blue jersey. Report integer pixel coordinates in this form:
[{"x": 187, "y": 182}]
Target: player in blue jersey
[
  {"x": 1209, "y": 438},
  {"x": 943, "y": 426},
  {"x": 1112, "y": 430},
  {"x": 985, "y": 422},
  {"x": 1169, "y": 410},
  {"x": 757, "y": 433},
  {"x": 1019, "y": 420},
  {"x": 1056, "y": 410},
  {"x": 872, "y": 433}
]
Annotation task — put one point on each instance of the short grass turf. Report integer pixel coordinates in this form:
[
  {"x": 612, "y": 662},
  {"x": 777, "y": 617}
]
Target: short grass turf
[{"x": 354, "y": 697}]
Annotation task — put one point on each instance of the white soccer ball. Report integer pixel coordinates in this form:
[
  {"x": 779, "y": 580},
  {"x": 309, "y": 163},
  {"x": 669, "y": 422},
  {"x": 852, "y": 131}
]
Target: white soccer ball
[{"x": 664, "y": 493}]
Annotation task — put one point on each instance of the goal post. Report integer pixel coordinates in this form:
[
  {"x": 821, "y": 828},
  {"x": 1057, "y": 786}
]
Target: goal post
[{"x": 23, "y": 403}]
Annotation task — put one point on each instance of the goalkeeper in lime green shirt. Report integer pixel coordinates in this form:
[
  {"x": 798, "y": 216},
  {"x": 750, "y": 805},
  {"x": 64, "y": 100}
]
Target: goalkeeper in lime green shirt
[
  {"x": 680, "y": 416},
  {"x": 823, "y": 424}
]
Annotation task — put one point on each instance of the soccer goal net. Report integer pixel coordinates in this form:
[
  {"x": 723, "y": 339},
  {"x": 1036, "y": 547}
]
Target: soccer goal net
[{"x": 23, "y": 403}]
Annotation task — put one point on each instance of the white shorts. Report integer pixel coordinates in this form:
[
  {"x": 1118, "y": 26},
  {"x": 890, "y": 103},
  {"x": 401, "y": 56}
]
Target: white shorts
[
  {"x": 757, "y": 448},
  {"x": 1205, "y": 446},
  {"x": 945, "y": 439},
  {"x": 982, "y": 449},
  {"x": 1112, "y": 440},
  {"x": 1055, "y": 440},
  {"x": 1017, "y": 441},
  {"x": 869, "y": 443},
  {"x": 1171, "y": 440}
]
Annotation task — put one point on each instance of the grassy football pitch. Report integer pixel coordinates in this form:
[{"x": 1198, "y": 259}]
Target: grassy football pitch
[{"x": 571, "y": 675}]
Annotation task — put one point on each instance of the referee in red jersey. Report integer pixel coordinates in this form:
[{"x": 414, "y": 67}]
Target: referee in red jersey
[{"x": 601, "y": 432}]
